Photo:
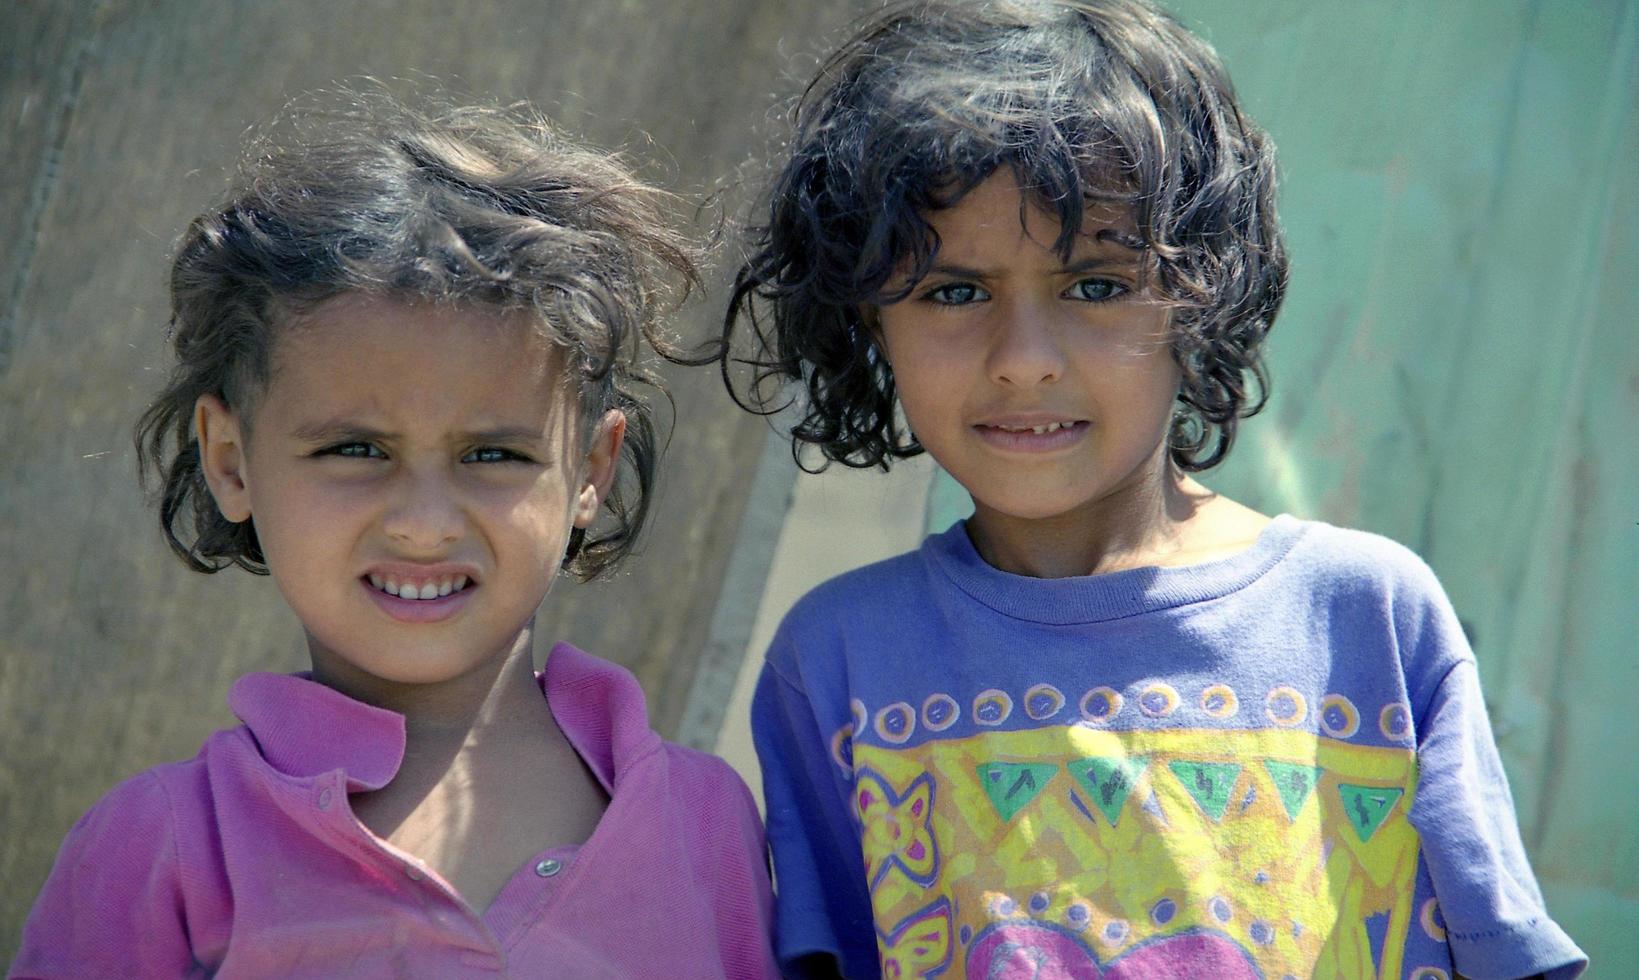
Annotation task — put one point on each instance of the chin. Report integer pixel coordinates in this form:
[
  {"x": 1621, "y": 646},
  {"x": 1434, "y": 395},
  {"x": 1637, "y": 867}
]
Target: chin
[{"x": 1032, "y": 510}]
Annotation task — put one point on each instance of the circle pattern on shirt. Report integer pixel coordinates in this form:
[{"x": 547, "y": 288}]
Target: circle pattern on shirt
[
  {"x": 939, "y": 712},
  {"x": 1394, "y": 721},
  {"x": 862, "y": 718},
  {"x": 1220, "y": 909},
  {"x": 1433, "y": 923},
  {"x": 1285, "y": 706},
  {"x": 1339, "y": 718},
  {"x": 842, "y": 746},
  {"x": 1043, "y": 701},
  {"x": 1219, "y": 701},
  {"x": 1100, "y": 705},
  {"x": 1162, "y": 912},
  {"x": 1158, "y": 700},
  {"x": 992, "y": 707},
  {"x": 895, "y": 723}
]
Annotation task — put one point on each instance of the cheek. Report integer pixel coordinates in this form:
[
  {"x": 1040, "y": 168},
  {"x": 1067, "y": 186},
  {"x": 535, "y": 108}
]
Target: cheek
[
  {"x": 931, "y": 405},
  {"x": 926, "y": 375},
  {"x": 537, "y": 514}
]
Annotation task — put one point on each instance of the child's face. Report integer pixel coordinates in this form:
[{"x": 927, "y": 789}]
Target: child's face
[
  {"x": 426, "y": 448},
  {"x": 1003, "y": 341}
]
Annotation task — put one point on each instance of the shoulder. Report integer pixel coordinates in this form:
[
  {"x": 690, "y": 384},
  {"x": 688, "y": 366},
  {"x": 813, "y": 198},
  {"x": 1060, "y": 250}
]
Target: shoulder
[
  {"x": 165, "y": 795},
  {"x": 880, "y": 587},
  {"x": 1366, "y": 581},
  {"x": 856, "y": 611},
  {"x": 1343, "y": 560},
  {"x": 165, "y": 812},
  {"x": 861, "y": 603},
  {"x": 117, "y": 887},
  {"x": 707, "y": 778},
  {"x": 715, "y": 805},
  {"x": 140, "y": 803}
]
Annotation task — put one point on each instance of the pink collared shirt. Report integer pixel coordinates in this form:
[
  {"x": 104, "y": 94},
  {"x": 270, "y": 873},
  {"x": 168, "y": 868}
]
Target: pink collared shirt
[{"x": 247, "y": 861}]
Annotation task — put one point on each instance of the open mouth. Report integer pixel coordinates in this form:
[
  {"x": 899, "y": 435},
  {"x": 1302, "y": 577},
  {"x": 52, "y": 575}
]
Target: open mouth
[
  {"x": 1039, "y": 430},
  {"x": 425, "y": 591},
  {"x": 1030, "y": 436}
]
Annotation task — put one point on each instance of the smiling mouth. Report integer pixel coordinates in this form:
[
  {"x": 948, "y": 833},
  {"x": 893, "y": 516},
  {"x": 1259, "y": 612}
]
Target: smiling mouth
[
  {"x": 1039, "y": 430},
  {"x": 1029, "y": 436},
  {"x": 422, "y": 592}
]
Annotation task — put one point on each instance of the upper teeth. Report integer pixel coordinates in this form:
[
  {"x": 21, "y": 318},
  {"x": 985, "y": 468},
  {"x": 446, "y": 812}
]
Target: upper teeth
[
  {"x": 427, "y": 590},
  {"x": 1039, "y": 430}
]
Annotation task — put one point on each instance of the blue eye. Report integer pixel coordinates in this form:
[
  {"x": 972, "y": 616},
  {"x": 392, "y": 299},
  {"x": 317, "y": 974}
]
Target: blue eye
[
  {"x": 493, "y": 454},
  {"x": 1096, "y": 290},
  {"x": 353, "y": 450},
  {"x": 955, "y": 294}
]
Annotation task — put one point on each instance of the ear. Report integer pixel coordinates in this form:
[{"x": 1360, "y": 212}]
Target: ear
[
  {"x": 222, "y": 456},
  {"x": 598, "y": 470}
]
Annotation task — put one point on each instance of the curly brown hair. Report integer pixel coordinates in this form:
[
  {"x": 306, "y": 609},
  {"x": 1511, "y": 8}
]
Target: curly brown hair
[
  {"x": 1086, "y": 101},
  {"x": 357, "y": 192}
]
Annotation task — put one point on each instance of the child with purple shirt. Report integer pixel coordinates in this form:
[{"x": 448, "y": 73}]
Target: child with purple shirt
[
  {"x": 1113, "y": 724},
  {"x": 407, "y": 388}
]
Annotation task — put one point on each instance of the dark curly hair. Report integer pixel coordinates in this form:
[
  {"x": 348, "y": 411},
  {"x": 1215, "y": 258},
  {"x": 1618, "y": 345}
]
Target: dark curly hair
[
  {"x": 356, "y": 192},
  {"x": 1086, "y": 101}
]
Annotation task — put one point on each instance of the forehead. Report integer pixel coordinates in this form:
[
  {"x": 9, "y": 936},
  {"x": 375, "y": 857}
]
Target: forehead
[
  {"x": 998, "y": 213},
  {"x": 361, "y": 353}
]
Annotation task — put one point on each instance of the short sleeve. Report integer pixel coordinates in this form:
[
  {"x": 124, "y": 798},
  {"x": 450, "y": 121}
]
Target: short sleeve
[
  {"x": 822, "y": 904},
  {"x": 743, "y": 903},
  {"x": 113, "y": 903},
  {"x": 1495, "y": 920}
]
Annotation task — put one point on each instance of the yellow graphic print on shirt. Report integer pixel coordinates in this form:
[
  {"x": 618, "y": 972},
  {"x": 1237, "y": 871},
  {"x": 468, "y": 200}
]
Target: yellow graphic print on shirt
[{"x": 1109, "y": 854}]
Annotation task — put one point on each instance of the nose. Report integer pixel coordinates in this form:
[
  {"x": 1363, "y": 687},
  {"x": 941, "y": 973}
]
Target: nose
[
  {"x": 424, "y": 515},
  {"x": 1026, "y": 348}
]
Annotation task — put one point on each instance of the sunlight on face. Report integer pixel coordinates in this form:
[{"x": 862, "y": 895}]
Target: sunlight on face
[
  {"x": 413, "y": 474},
  {"x": 1044, "y": 386}
]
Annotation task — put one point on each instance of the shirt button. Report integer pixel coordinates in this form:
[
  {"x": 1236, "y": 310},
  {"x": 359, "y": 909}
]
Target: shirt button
[
  {"x": 325, "y": 796},
  {"x": 549, "y": 867},
  {"x": 413, "y": 871}
]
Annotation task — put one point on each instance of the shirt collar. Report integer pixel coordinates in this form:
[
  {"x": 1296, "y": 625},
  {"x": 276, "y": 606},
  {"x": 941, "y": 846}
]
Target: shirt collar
[
  {"x": 305, "y": 729},
  {"x": 601, "y": 709}
]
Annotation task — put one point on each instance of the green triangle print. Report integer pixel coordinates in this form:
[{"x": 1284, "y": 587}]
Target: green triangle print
[
  {"x": 1012, "y": 785},
  {"x": 1293, "y": 782},
  {"x": 1208, "y": 782},
  {"x": 1109, "y": 779},
  {"x": 1368, "y": 806}
]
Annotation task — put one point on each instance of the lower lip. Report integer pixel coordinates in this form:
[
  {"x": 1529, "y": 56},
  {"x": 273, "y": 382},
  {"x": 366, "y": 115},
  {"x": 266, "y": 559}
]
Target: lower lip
[
  {"x": 1026, "y": 441},
  {"x": 419, "y": 610}
]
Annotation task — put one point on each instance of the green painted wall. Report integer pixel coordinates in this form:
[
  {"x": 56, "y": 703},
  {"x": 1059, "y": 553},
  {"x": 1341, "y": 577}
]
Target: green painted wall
[{"x": 1457, "y": 365}]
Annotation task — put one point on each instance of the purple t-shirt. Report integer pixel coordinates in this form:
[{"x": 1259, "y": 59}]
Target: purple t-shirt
[
  {"x": 1274, "y": 765},
  {"x": 248, "y": 861}
]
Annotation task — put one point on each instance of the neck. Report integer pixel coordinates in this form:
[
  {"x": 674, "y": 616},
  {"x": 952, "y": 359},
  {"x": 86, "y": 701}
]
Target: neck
[
  {"x": 498, "y": 694},
  {"x": 1139, "y": 526}
]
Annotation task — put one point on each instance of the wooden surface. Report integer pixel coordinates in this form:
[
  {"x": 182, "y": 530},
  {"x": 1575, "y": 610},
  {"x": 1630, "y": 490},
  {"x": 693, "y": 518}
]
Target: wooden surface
[{"x": 119, "y": 120}]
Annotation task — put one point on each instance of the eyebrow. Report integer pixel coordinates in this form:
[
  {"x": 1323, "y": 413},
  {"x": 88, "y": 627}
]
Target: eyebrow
[
  {"x": 1088, "y": 264},
  {"x": 1116, "y": 236},
  {"x": 341, "y": 430}
]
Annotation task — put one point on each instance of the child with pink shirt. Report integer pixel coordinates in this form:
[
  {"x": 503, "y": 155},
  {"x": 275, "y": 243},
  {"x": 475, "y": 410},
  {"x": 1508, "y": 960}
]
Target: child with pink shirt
[{"x": 407, "y": 387}]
